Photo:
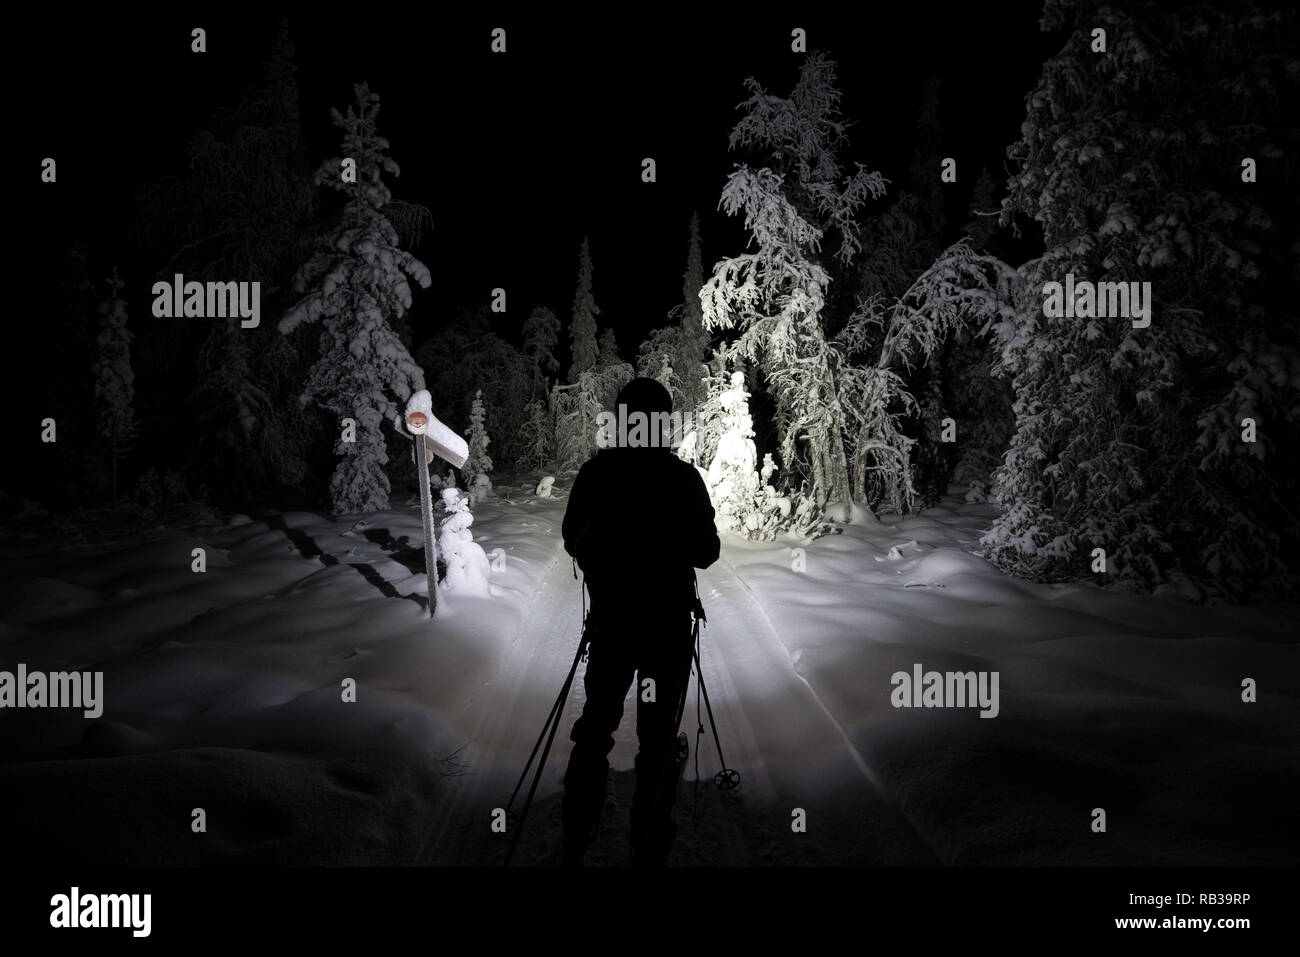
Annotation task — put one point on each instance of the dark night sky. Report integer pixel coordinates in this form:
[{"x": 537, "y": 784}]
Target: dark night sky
[{"x": 517, "y": 156}]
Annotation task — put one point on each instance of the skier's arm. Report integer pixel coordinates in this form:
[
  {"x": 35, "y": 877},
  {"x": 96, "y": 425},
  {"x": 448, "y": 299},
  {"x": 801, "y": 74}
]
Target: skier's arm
[{"x": 577, "y": 515}]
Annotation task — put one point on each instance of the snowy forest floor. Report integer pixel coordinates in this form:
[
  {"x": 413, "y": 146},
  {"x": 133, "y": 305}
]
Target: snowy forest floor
[{"x": 223, "y": 692}]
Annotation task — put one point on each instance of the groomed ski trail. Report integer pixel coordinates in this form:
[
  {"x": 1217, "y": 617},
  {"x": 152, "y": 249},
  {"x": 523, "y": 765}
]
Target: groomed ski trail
[{"x": 791, "y": 754}]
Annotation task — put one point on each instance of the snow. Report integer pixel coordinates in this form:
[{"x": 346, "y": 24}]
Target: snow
[
  {"x": 480, "y": 491},
  {"x": 420, "y": 401},
  {"x": 454, "y": 448},
  {"x": 450, "y": 445},
  {"x": 744, "y": 499},
  {"x": 354, "y": 283},
  {"x": 478, "y": 463},
  {"x": 467, "y": 564},
  {"x": 222, "y": 689}
]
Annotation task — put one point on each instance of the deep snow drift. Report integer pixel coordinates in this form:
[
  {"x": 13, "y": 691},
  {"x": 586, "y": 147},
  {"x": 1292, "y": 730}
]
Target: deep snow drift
[{"x": 225, "y": 690}]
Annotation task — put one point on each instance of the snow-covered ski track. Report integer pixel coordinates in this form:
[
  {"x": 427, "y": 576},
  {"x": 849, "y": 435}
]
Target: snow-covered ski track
[{"x": 806, "y": 795}]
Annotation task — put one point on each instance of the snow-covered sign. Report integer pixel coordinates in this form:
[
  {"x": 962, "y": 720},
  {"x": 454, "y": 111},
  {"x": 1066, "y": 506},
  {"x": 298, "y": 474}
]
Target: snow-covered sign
[
  {"x": 431, "y": 436},
  {"x": 445, "y": 443}
]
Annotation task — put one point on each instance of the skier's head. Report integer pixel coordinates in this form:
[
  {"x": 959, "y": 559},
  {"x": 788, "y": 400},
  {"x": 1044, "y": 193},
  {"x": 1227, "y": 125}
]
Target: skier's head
[
  {"x": 646, "y": 395},
  {"x": 642, "y": 416}
]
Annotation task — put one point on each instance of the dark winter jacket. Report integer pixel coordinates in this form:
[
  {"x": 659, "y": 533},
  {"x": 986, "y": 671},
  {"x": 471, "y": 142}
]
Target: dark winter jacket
[{"x": 639, "y": 520}]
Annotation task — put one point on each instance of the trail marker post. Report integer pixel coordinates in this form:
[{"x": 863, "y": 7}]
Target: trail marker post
[{"x": 431, "y": 438}]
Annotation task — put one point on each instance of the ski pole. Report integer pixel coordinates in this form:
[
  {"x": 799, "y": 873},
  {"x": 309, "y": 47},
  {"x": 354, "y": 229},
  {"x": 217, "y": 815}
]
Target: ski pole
[
  {"x": 727, "y": 779},
  {"x": 559, "y": 701},
  {"x": 550, "y": 739},
  {"x": 552, "y": 716}
]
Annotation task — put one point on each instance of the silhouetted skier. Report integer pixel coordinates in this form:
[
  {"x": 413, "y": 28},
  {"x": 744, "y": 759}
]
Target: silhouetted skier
[{"x": 639, "y": 521}]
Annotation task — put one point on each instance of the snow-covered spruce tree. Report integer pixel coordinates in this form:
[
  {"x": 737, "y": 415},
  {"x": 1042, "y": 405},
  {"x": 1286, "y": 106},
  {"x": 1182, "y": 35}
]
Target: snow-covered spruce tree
[
  {"x": 923, "y": 172},
  {"x": 467, "y": 356},
  {"x": 846, "y": 395},
  {"x": 967, "y": 368},
  {"x": 701, "y": 444},
  {"x": 984, "y": 211},
  {"x": 577, "y": 408},
  {"x": 775, "y": 295},
  {"x": 582, "y": 327},
  {"x": 656, "y": 359},
  {"x": 894, "y": 253},
  {"x": 692, "y": 340},
  {"x": 114, "y": 380},
  {"x": 674, "y": 355},
  {"x": 667, "y": 378},
  {"x": 240, "y": 214},
  {"x": 536, "y": 441},
  {"x": 1131, "y": 440},
  {"x": 744, "y": 498},
  {"x": 932, "y": 457},
  {"x": 478, "y": 466},
  {"x": 607, "y": 354},
  {"x": 467, "y": 566},
  {"x": 574, "y": 434},
  {"x": 357, "y": 280},
  {"x": 960, "y": 289},
  {"x": 541, "y": 332},
  {"x": 984, "y": 432}
]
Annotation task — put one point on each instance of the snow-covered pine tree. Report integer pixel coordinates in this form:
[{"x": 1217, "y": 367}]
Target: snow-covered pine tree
[
  {"x": 960, "y": 290},
  {"x": 775, "y": 295},
  {"x": 986, "y": 421},
  {"x": 467, "y": 566},
  {"x": 894, "y": 253},
  {"x": 289, "y": 204},
  {"x": 655, "y": 359},
  {"x": 240, "y": 214},
  {"x": 744, "y": 499},
  {"x": 959, "y": 381},
  {"x": 114, "y": 380},
  {"x": 607, "y": 353},
  {"x": 984, "y": 210},
  {"x": 667, "y": 378},
  {"x": 932, "y": 457},
  {"x": 536, "y": 441},
  {"x": 606, "y": 381},
  {"x": 582, "y": 328},
  {"x": 541, "y": 332},
  {"x": 1131, "y": 440},
  {"x": 889, "y": 420},
  {"x": 927, "y": 154},
  {"x": 357, "y": 280},
  {"x": 701, "y": 444},
  {"x": 478, "y": 465},
  {"x": 467, "y": 356},
  {"x": 577, "y": 408},
  {"x": 692, "y": 340},
  {"x": 574, "y": 439}
]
